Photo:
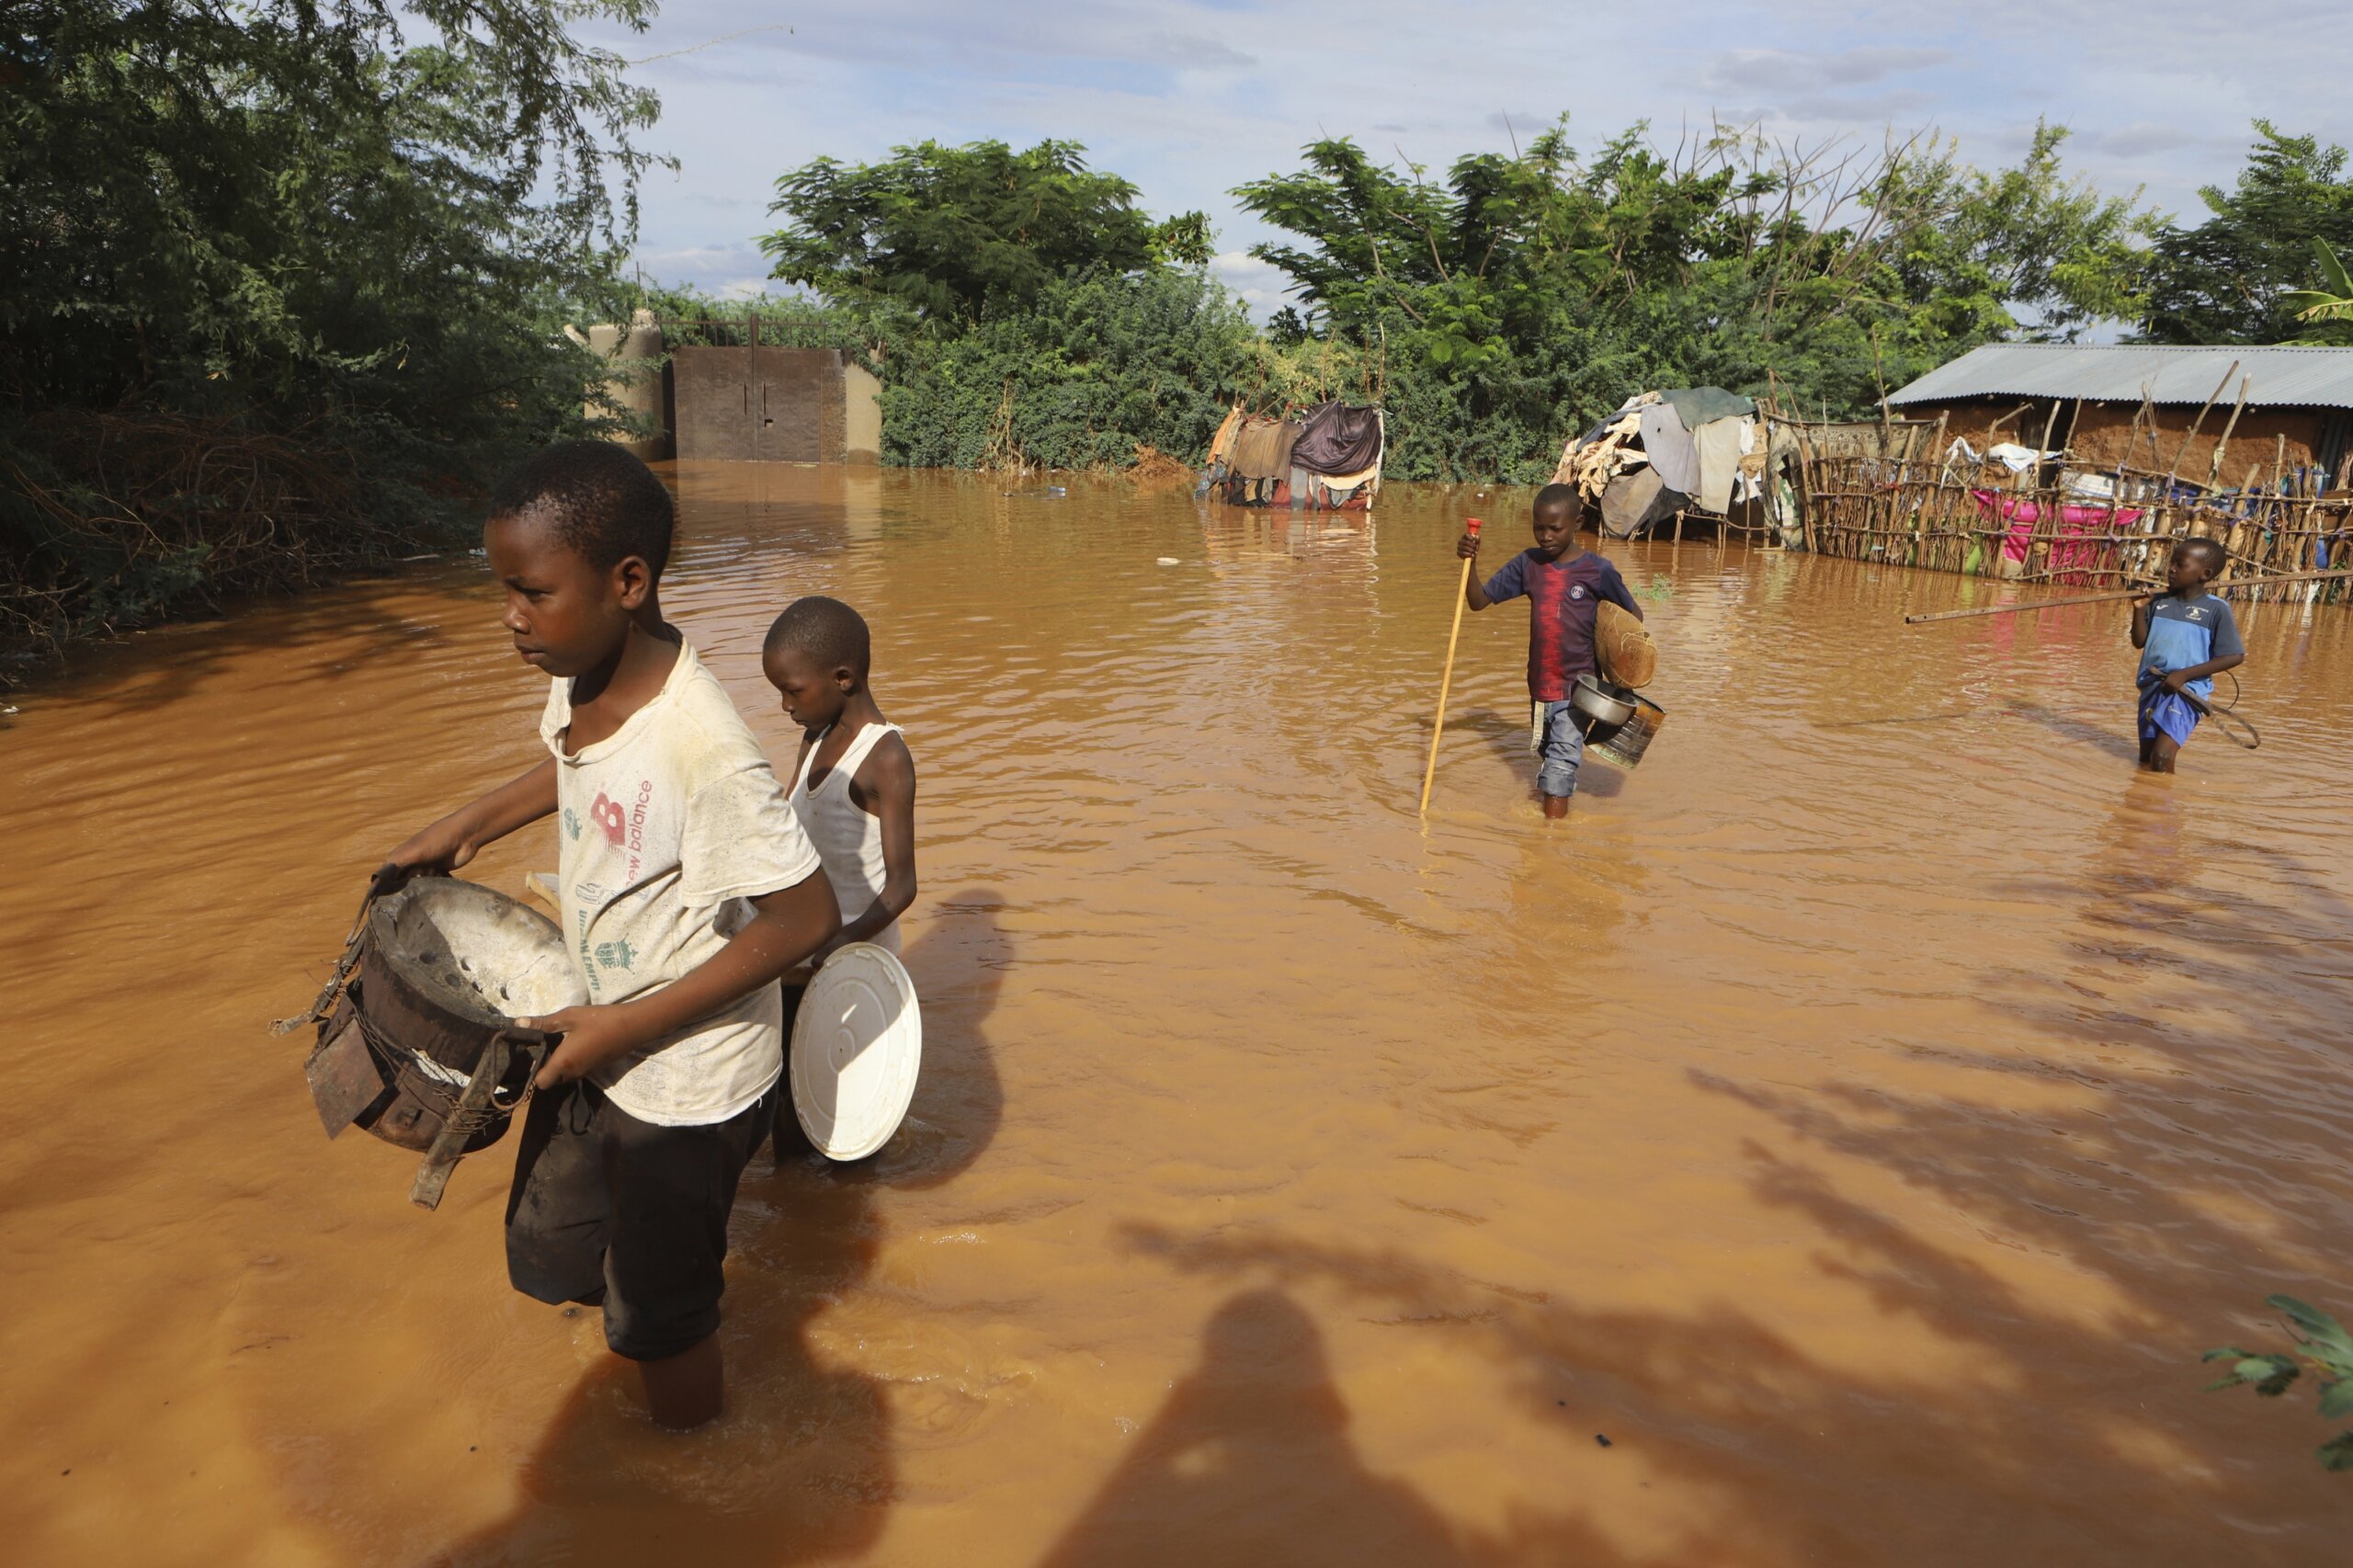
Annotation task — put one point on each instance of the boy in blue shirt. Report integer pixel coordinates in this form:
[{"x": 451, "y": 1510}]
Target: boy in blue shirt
[
  {"x": 2186, "y": 636},
  {"x": 1565, "y": 586}
]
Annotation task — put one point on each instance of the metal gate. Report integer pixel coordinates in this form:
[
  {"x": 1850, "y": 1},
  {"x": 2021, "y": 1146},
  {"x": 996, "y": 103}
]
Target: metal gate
[{"x": 755, "y": 405}]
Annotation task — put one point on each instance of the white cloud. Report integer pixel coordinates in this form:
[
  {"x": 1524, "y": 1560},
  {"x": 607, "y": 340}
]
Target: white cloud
[
  {"x": 1787, "y": 71},
  {"x": 1191, "y": 97},
  {"x": 1263, "y": 288}
]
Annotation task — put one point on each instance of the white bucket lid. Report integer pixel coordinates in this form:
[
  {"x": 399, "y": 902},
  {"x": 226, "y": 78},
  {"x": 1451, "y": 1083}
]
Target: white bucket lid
[{"x": 857, "y": 1046}]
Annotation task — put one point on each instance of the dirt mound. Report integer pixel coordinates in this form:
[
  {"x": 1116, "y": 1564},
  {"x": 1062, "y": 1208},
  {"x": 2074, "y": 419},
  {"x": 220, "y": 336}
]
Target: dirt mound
[{"x": 1156, "y": 468}]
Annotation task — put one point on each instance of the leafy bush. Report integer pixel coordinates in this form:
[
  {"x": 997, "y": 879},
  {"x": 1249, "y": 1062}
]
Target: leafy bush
[
  {"x": 2320, "y": 1340},
  {"x": 284, "y": 290}
]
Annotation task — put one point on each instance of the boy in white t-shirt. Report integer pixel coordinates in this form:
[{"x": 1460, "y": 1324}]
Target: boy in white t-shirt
[{"x": 687, "y": 888}]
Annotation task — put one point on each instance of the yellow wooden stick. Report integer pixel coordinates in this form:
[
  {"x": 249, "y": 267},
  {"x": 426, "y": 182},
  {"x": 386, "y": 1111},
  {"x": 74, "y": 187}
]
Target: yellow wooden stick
[{"x": 1446, "y": 684}]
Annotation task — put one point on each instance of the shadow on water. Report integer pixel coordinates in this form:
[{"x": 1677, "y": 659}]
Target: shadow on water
[
  {"x": 2057, "y": 1396},
  {"x": 1251, "y": 1446},
  {"x": 2116, "y": 742},
  {"x": 801, "y": 1467},
  {"x": 1508, "y": 739},
  {"x": 360, "y": 620}
]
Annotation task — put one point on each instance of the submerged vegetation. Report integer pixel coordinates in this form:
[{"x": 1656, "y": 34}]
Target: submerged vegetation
[
  {"x": 287, "y": 285},
  {"x": 2320, "y": 1340}
]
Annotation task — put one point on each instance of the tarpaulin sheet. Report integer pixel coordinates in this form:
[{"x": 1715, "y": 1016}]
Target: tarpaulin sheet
[
  {"x": 1262, "y": 449},
  {"x": 1337, "y": 439},
  {"x": 1636, "y": 501},
  {"x": 1702, "y": 405}
]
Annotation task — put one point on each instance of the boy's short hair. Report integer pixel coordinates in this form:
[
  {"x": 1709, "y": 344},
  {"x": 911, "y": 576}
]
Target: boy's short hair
[
  {"x": 2217, "y": 556},
  {"x": 827, "y": 631},
  {"x": 602, "y": 502},
  {"x": 1556, "y": 495}
]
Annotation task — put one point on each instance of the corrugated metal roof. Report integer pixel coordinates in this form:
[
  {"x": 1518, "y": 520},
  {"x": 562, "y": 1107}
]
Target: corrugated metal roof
[{"x": 2295, "y": 377}]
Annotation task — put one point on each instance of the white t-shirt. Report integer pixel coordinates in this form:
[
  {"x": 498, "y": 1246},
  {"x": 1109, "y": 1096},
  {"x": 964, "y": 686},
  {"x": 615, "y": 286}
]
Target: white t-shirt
[{"x": 666, "y": 828}]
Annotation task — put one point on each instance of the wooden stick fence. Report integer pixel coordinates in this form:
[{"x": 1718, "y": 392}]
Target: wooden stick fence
[{"x": 1915, "y": 506}]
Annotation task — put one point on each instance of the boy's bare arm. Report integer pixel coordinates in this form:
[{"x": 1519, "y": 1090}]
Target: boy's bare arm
[
  {"x": 887, "y": 782},
  {"x": 2141, "y": 610},
  {"x": 787, "y": 926},
  {"x": 457, "y": 837}
]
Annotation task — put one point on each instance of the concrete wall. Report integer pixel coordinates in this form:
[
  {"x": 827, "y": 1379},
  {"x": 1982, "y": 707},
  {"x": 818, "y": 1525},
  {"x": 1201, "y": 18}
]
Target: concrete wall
[
  {"x": 642, "y": 388},
  {"x": 861, "y": 414},
  {"x": 805, "y": 405}
]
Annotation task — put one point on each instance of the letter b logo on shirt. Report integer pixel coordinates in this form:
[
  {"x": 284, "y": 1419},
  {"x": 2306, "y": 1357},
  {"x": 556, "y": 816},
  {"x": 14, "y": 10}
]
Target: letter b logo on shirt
[{"x": 608, "y": 815}]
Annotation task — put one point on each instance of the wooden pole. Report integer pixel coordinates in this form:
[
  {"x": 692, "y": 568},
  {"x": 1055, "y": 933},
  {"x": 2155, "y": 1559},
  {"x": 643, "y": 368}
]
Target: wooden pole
[
  {"x": 2213, "y": 397},
  {"x": 2118, "y": 597},
  {"x": 1806, "y": 486},
  {"x": 2214, "y": 467},
  {"x": 2049, "y": 424},
  {"x": 1446, "y": 682}
]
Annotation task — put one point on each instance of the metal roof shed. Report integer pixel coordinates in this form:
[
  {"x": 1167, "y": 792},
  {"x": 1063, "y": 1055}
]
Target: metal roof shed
[
  {"x": 2296, "y": 425},
  {"x": 2286, "y": 376}
]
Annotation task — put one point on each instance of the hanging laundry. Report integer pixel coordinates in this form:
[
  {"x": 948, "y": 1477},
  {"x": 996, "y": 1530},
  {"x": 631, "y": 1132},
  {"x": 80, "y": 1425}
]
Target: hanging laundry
[
  {"x": 2018, "y": 458},
  {"x": 1222, "y": 444},
  {"x": 1635, "y": 502},
  {"x": 1719, "y": 443}
]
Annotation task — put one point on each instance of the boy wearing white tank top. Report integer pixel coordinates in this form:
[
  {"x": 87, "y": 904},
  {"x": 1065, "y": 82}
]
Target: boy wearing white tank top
[{"x": 854, "y": 785}]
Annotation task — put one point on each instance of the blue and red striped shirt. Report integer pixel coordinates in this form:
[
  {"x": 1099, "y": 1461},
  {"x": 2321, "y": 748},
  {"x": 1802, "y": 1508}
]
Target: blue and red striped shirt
[{"x": 1563, "y": 597}]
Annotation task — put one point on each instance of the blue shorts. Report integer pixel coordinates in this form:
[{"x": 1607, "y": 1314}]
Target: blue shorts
[
  {"x": 2166, "y": 712},
  {"x": 1559, "y": 743}
]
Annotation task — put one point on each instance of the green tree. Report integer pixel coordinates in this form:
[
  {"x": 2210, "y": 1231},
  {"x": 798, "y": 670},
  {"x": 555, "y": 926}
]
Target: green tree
[
  {"x": 258, "y": 250},
  {"x": 2233, "y": 278},
  {"x": 1520, "y": 297},
  {"x": 948, "y": 231},
  {"x": 2333, "y": 300}
]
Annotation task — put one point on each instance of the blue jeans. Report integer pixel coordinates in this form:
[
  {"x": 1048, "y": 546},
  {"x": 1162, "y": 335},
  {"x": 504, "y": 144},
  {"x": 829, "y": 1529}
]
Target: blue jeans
[{"x": 1559, "y": 745}]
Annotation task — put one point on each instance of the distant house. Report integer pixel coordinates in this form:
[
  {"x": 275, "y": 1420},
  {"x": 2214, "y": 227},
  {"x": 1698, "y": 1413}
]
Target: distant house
[{"x": 2111, "y": 404}]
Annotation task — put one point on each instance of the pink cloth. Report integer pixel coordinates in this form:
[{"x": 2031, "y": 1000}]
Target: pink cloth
[{"x": 2074, "y": 517}]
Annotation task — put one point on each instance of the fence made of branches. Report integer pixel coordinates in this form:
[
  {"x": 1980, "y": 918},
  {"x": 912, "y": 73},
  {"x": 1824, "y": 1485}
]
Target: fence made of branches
[{"x": 1911, "y": 499}]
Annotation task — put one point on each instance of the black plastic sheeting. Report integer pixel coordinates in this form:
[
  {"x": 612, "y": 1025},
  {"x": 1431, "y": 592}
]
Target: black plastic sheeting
[{"x": 1337, "y": 439}]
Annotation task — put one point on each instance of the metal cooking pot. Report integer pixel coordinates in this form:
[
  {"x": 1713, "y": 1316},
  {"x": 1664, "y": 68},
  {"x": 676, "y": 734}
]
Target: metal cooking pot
[
  {"x": 1596, "y": 702},
  {"x": 421, "y": 1049}
]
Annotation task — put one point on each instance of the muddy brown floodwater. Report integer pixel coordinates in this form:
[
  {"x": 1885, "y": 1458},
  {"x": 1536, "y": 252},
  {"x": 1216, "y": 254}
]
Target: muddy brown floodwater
[{"x": 1861, "y": 1115}]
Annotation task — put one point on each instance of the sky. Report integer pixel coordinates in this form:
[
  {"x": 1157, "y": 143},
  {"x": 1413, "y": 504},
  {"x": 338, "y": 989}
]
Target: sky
[{"x": 1191, "y": 97}]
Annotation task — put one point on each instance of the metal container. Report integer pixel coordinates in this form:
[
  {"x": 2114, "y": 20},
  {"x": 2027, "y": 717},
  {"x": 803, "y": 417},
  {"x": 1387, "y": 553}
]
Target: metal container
[
  {"x": 1625, "y": 743},
  {"x": 1602, "y": 704},
  {"x": 422, "y": 1048}
]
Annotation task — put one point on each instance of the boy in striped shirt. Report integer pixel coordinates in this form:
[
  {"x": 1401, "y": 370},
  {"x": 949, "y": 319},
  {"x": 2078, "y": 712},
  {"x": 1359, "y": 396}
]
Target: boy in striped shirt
[{"x": 1564, "y": 585}]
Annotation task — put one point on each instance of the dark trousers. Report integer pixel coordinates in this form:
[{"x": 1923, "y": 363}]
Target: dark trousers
[{"x": 609, "y": 1211}]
